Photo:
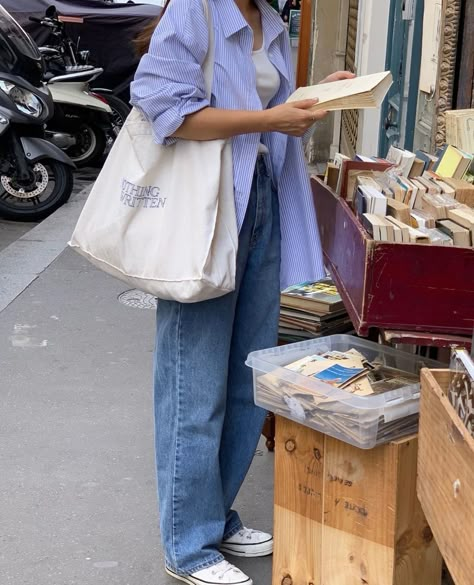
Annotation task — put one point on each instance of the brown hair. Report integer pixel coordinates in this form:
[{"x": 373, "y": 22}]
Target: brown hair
[{"x": 142, "y": 40}]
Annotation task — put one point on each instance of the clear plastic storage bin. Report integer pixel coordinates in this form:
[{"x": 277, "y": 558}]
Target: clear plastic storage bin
[{"x": 363, "y": 421}]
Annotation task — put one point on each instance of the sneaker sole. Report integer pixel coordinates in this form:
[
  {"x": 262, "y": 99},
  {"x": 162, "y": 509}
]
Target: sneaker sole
[
  {"x": 179, "y": 577},
  {"x": 263, "y": 550},
  {"x": 192, "y": 581}
]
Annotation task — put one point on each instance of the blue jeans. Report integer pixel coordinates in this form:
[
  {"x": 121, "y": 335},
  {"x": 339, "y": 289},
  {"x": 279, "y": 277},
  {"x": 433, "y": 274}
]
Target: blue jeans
[{"x": 207, "y": 425}]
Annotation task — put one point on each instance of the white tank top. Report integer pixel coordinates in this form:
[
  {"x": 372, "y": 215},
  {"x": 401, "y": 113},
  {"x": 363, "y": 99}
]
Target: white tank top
[
  {"x": 268, "y": 81},
  {"x": 268, "y": 78}
]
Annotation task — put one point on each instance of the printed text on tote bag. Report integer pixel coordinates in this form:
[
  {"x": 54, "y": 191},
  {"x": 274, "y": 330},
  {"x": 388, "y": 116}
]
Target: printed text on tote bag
[{"x": 137, "y": 196}]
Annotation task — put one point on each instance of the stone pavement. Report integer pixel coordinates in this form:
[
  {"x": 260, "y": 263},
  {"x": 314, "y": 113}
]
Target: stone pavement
[{"x": 77, "y": 482}]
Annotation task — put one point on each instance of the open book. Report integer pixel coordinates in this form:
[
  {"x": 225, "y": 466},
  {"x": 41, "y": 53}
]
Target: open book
[{"x": 359, "y": 93}]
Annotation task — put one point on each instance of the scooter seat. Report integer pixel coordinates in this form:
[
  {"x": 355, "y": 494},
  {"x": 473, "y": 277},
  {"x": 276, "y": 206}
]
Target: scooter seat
[{"x": 84, "y": 76}]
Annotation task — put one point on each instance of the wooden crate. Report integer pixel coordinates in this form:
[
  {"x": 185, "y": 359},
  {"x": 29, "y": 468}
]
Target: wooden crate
[
  {"x": 346, "y": 516},
  {"x": 446, "y": 476},
  {"x": 406, "y": 287}
]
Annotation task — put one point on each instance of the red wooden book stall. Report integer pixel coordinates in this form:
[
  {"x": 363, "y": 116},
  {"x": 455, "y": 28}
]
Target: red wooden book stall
[
  {"x": 401, "y": 287},
  {"x": 411, "y": 294}
]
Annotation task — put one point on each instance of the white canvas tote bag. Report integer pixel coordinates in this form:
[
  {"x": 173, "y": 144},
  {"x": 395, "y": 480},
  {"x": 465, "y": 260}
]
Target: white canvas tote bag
[{"x": 162, "y": 218}]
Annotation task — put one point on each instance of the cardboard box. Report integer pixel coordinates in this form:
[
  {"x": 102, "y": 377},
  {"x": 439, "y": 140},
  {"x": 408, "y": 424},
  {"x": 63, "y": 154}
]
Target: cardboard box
[{"x": 346, "y": 516}]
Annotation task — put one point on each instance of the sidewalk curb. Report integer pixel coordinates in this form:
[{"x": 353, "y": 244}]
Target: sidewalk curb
[{"x": 25, "y": 259}]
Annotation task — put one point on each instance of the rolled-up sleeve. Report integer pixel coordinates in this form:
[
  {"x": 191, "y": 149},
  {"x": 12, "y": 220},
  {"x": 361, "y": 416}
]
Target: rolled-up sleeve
[{"x": 169, "y": 83}]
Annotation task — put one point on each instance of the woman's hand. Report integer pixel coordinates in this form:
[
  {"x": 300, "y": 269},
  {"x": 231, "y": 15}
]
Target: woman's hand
[
  {"x": 293, "y": 118},
  {"x": 338, "y": 76}
]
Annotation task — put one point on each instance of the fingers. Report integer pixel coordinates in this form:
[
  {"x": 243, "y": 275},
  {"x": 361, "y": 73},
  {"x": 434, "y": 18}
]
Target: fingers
[
  {"x": 321, "y": 114},
  {"x": 304, "y": 104},
  {"x": 344, "y": 74}
]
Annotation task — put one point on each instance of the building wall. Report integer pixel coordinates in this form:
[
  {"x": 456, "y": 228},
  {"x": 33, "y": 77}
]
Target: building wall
[
  {"x": 370, "y": 58},
  {"x": 331, "y": 18},
  {"x": 328, "y": 55}
]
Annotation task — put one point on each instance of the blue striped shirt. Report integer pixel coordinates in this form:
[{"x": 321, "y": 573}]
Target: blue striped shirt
[{"x": 169, "y": 85}]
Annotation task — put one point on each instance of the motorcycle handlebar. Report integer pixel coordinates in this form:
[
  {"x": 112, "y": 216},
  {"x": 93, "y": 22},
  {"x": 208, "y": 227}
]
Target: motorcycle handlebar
[{"x": 43, "y": 21}]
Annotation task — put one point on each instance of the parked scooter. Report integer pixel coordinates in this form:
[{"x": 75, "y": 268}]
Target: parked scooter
[
  {"x": 82, "y": 120},
  {"x": 36, "y": 177},
  {"x": 61, "y": 51}
]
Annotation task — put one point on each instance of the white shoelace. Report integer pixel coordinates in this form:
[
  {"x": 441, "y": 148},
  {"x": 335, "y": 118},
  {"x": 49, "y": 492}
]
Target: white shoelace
[
  {"x": 221, "y": 570},
  {"x": 247, "y": 533}
]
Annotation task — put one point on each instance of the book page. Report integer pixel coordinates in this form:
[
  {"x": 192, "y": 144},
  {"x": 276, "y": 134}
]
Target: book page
[{"x": 344, "y": 88}]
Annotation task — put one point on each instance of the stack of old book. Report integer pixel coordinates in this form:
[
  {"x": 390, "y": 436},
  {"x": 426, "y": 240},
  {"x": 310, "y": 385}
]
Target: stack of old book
[
  {"x": 449, "y": 162},
  {"x": 411, "y": 197},
  {"x": 312, "y": 309}
]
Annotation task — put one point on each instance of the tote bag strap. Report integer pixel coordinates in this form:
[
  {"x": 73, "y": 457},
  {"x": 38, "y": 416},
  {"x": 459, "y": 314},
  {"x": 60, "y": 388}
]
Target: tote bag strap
[{"x": 208, "y": 65}]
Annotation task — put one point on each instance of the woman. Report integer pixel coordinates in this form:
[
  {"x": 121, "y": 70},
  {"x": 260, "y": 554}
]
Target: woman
[{"x": 207, "y": 426}]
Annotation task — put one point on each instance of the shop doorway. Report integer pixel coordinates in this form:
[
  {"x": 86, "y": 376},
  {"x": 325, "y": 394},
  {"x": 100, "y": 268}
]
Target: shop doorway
[{"x": 403, "y": 59}]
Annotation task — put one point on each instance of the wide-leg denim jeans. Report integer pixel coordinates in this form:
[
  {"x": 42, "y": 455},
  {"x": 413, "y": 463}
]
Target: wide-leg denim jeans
[{"x": 207, "y": 426}]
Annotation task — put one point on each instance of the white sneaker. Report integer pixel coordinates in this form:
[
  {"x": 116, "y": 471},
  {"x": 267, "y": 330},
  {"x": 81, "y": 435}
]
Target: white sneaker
[
  {"x": 221, "y": 574},
  {"x": 248, "y": 543}
]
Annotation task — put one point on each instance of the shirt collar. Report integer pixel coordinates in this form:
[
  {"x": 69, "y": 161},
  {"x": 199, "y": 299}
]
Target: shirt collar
[{"x": 232, "y": 20}]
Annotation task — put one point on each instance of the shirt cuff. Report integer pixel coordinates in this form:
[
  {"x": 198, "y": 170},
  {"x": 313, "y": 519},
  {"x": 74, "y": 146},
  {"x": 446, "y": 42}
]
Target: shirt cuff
[{"x": 166, "y": 125}]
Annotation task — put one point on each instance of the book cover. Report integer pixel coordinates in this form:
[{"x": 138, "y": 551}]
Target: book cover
[
  {"x": 460, "y": 235},
  {"x": 323, "y": 291},
  {"x": 465, "y": 165},
  {"x": 308, "y": 366},
  {"x": 417, "y": 169},
  {"x": 408, "y": 158},
  {"x": 338, "y": 375},
  {"x": 351, "y": 166},
  {"x": 429, "y": 159},
  {"x": 464, "y": 190},
  {"x": 403, "y": 229},
  {"x": 294, "y": 24},
  {"x": 407, "y": 189},
  {"x": 449, "y": 162},
  {"x": 363, "y": 158},
  {"x": 464, "y": 217},
  {"x": 422, "y": 219},
  {"x": 371, "y": 225},
  {"x": 395, "y": 155},
  {"x": 446, "y": 188},
  {"x": 421, "y": 190},
  {"x": 399, "y": 210},
  {"x": 360, "y": 203},
  {"x": 431, "y": 187},
  {"x": 437, "y": 237},
  {"x": 339, "y": 158},
  {"x": 332, "y": 175},
  {"x": 418, "y": 237}
]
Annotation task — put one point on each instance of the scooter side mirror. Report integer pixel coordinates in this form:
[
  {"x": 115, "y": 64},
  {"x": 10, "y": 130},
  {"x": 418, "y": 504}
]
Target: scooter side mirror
[{"x": 51, "y": 12}]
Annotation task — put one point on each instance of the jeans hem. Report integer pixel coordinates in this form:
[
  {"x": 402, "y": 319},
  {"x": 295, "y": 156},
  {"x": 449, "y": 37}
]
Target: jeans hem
[
  {"x": 230, "y": 533},
  {"x": 218, "y": 558}
]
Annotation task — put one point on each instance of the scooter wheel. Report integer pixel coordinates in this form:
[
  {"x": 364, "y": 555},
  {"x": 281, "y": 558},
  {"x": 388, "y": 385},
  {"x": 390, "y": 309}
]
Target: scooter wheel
[
  {"x": 90, "y": 146},
  {"x": 120, "y": 110},
  {"x": 49, "y": 186}
]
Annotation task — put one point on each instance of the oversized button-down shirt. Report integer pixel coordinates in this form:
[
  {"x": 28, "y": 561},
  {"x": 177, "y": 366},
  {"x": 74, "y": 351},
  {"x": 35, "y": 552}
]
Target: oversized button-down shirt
[{"x": 169, "y": 85}]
